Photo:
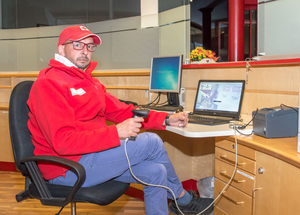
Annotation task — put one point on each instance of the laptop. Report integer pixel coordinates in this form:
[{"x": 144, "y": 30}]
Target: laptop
[{"x": 217, "y": 102}]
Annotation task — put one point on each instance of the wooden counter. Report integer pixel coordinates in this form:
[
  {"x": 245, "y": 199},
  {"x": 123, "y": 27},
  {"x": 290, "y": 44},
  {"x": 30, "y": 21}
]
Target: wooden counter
[
  {"x": 268, "y": 84},
  {"x": 4, "y": 105},
  {"x": 284, "y": 149},
  {"x": 267, "y": 176}
]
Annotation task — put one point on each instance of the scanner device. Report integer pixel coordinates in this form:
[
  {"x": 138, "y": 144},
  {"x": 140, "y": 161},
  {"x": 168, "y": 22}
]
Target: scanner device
[{"x": 139, "y": 112}]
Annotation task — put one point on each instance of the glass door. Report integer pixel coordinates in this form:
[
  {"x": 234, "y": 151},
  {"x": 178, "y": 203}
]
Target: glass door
[{"x": 250, "y": 32}]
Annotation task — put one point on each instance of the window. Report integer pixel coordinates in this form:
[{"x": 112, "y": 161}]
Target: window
[{"x": 38, "y": 13}]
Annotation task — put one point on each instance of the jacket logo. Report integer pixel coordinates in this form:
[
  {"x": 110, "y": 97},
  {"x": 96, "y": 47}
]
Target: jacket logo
[{"x": 79, "y": 92}]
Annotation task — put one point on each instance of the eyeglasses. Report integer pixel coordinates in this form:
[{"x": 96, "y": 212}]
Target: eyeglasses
[{"x": 80, "y": 45}]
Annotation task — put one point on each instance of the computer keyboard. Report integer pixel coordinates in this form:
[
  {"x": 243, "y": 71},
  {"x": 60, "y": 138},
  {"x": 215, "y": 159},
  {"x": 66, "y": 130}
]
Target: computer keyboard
[
  {"x": 163, "y": 107},
  {"x": 203, "y": 120},
  {"x": 156, "y": 107}
]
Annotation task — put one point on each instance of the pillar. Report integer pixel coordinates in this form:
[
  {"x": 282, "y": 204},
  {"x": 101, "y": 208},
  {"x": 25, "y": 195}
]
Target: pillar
[{"x": 236, "y": 30}]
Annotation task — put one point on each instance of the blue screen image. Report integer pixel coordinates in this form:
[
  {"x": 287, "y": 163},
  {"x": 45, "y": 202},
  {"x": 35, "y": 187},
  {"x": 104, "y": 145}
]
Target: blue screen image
[{"x": 165, "y": 73}]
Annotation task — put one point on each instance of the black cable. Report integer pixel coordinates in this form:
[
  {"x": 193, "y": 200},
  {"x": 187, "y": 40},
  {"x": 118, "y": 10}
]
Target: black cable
[
  {"x": 252, "y": 117},
  {"x": 149, "y": 104},
  {"x": 154, "y": 99},
  {"x": 60, "y": 210},
  {"x": 245, "y": 125},
  {"x": 158, "y": 99},
  {"x": 243, "y": 133},
  {"x": 289, "y": 107},
  {"x": 163, "y": 103}
]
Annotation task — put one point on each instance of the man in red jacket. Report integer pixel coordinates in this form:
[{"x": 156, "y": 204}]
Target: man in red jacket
[{"x": 68, "y": 109}]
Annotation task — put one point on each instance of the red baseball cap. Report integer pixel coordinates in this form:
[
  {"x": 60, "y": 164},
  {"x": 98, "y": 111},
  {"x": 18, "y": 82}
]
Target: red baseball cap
[{"x": 75, "y": 33}]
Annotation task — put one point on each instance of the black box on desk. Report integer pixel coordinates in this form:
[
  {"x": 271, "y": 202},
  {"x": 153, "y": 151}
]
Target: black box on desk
[{"x": 276, "y": 122}]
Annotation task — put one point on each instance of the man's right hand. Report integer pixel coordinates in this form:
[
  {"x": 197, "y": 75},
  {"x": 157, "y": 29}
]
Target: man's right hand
[{"x": 129, "y": 127}]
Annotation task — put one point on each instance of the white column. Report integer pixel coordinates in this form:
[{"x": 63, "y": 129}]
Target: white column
[{"x": 149, "y": 13}]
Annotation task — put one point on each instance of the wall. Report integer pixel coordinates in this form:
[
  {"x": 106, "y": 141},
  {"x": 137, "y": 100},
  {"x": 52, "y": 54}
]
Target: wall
[
  {"x": 266, "y": 85},
  {"x": 278, "y": 27},
  {"x": 125, "y": 44}
]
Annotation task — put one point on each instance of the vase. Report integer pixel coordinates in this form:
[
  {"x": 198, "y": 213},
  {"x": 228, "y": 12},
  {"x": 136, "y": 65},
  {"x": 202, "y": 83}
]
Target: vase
[{"x": 204, "y": 60}]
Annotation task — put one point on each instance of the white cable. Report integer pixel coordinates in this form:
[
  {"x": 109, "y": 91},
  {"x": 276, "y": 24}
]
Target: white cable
[
  {"x": 154, "y": 185},
  {"x": 235, "y": 167}
]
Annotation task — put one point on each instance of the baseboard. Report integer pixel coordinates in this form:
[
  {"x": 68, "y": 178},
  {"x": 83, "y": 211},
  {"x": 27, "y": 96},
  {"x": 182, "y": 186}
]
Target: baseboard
[{"x": 8, "y": 166}]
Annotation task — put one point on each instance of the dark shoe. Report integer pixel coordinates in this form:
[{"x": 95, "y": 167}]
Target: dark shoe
[{"x": 195, "y": 206}]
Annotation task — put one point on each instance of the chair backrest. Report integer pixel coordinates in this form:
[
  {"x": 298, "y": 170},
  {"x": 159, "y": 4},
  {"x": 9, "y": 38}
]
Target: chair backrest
[{"x": 18, "y": 118}]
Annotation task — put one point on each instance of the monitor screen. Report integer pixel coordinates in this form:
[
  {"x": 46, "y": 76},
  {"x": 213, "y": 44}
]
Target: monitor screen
[
  {"x": 219, "y": 97},
  {"x": 165, "y": 74}
]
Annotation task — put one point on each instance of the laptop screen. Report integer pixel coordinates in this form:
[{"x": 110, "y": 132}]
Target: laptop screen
[{"x": 219, "y": 98}]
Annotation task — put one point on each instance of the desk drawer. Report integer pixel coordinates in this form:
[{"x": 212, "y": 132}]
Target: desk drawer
[
  {"x": 233, "y": 201},
  {"x": 242, "y": 180},
  {"x": 229, "y": 157},
  {"x": 242, "y": 150},
  {"x": 219, "y": 211}
]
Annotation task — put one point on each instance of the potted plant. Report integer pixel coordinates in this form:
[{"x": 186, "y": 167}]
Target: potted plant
[{"x": 200, "y": 55}]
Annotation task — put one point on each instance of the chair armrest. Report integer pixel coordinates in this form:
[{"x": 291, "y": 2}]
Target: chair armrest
[{"x": 39, "y": 182}]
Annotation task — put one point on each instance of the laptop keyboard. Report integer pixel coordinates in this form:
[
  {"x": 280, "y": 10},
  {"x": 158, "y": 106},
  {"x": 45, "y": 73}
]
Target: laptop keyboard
[{"x": 204, "y": 120}]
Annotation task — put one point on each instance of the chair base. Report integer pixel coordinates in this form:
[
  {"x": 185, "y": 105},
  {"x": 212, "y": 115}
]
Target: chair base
[
  {"x": 22, "y": 195},
  {"x": 73, "y": 208}
]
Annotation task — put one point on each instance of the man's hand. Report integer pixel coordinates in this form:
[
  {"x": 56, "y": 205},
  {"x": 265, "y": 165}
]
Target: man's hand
[
  {"x": 179, "y": 119},
  {"x": 129, "y": 127}
]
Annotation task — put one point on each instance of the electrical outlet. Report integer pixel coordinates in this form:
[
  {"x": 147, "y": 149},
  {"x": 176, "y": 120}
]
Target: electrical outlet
[
  {"x": 146, "y": 93},
  {"x": 150, "y": 97}
]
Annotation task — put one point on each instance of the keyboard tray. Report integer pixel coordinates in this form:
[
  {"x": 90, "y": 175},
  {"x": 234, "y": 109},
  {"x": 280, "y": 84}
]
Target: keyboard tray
[{"x": 163, "y": 107}]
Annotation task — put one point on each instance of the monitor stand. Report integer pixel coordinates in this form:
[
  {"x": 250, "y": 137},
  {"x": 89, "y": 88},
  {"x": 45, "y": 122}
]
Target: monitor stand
[{"x": 173, "y": 99}]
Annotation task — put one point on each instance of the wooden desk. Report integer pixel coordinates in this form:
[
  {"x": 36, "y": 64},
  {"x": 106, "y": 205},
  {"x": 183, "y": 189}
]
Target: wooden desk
[
  {"x": 203, "y": 131},
  {"x": 267, "y": 181},
  {"x": 191, "y": 149}
]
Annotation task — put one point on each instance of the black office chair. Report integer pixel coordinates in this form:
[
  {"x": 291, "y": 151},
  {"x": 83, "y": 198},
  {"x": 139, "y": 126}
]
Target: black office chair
[{"x": 25, "y": 161}]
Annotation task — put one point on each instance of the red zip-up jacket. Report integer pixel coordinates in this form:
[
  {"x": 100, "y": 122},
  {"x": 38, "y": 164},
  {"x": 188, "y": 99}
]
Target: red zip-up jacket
[{"x": 68, "y": 109}]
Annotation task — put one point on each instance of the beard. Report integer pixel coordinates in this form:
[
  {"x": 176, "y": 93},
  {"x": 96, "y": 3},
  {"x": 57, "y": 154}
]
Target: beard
[{"x": 82, "y": 66}]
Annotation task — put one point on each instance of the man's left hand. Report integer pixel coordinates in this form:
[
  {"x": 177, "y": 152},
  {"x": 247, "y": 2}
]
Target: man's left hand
[{"x": 179, "y": 119}]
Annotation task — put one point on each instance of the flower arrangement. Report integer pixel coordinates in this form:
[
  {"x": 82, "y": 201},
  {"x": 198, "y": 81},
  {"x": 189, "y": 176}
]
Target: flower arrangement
[{"x": 200, "y": 53}]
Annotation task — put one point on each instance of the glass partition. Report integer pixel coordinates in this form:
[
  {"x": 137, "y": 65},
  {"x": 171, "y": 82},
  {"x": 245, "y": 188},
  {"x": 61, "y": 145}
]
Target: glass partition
[
  {"x": 209, "y": 26},
  {"x": 30, "y": 30},
  {"x": 278, "y": 27},
  {"x": 164, "y": 5}
]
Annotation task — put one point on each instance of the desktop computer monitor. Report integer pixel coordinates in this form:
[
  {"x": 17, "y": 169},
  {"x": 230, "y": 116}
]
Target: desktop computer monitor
[{"x": 165, "y": 77}]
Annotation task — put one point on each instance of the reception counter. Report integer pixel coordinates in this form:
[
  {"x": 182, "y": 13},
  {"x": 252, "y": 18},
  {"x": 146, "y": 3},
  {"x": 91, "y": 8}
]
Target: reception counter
[{"x": 268, "y": 84}]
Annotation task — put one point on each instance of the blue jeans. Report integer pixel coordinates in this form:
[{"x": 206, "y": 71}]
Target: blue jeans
[{"x": 149, "y": 162}]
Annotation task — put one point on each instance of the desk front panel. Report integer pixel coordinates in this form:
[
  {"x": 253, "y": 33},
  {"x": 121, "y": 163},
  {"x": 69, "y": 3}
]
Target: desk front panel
[
  {"x": 243, "y": 163},
  {"x": 241, "y": 180},
  {"x": 233, "y": 201}
]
